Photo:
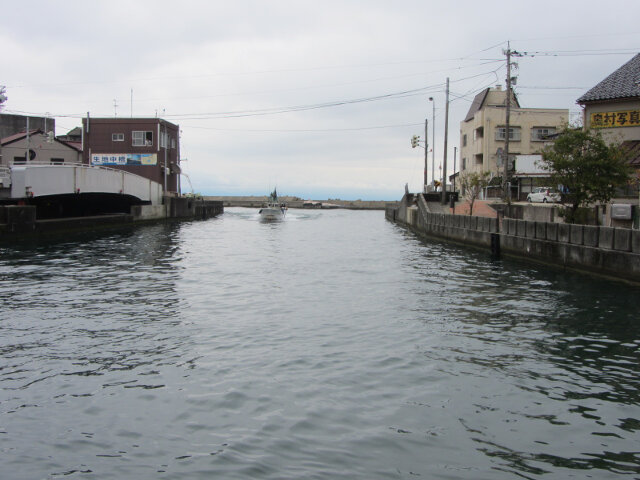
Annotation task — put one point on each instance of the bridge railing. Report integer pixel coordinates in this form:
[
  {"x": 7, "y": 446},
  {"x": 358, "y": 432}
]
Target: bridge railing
[
  {"x": 46, "y": 179},
  {"x": 42, "y": 163}
]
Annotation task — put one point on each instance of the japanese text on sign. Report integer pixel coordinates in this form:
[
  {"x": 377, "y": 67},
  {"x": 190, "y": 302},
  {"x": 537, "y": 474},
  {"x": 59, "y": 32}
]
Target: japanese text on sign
[
  {"x": 124, "y": 159},
  {"x": 626, "y": 118}
]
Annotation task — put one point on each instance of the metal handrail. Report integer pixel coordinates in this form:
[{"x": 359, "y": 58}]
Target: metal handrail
[
  {"x": 65, "y": 164},
  {"x": 40, "y": 163}
]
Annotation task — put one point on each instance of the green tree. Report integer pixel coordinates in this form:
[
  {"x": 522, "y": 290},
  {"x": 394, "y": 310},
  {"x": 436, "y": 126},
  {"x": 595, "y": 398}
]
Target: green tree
[
  {"x": 472, "y": 184},
  {"x": 582, "y": 162}
]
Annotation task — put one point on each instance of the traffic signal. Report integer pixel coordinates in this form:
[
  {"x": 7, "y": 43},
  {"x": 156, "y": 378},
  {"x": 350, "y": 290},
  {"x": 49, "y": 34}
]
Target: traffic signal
[{"x": 414, "y": 141}]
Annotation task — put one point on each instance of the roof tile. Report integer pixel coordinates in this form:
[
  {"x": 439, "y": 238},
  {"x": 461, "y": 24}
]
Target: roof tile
[{"x": 623, "y": 83}]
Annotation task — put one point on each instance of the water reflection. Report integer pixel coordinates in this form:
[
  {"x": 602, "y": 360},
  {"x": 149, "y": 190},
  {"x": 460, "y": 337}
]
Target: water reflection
[
  {"x": 331, "y": 345},
  {"x": 90, "y": 307},
  {"x": 569, "y": 344}
]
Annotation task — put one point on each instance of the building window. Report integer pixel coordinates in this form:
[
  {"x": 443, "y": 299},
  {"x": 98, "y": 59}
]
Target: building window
[
  {"x": 142, "y": 139},
  {"x": 57, "y": 161},
  {"x": 479, "y": 159},
  {"x": 464, "y": 164},
  {"x": 540, "y": 134},
  {"x": 478, "y": 133},
  {"x": 514, "y": 133},
  {"x": 19, "y": 160},
  {"x": 464, "y": 140},
  {"x": 117, "y": 137},
  {"x": 166, "y": 140}
]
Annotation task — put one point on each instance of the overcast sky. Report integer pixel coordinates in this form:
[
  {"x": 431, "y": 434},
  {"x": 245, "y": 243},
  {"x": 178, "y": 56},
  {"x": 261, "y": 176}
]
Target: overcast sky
[{"x": 317, "y": 98}]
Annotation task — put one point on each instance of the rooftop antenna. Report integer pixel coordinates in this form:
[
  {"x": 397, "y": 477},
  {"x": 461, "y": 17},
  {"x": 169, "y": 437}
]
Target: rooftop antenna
[{"x": 115, "y": 108}]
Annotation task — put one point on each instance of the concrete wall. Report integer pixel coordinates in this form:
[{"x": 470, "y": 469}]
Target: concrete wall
[
  {"x": 612, "y": 252},
  {"x": 464, "y": 229},
  {"x": 192, "y": 207},
  {"x": 20, "y": 220},
  {"x": 148, "y": 212},
  {"x": 12, "y": 124}
]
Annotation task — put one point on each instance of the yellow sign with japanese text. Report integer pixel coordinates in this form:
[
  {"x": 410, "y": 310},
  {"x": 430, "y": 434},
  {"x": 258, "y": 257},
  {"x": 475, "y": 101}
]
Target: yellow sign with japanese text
[{"x": 625, "y": 118}]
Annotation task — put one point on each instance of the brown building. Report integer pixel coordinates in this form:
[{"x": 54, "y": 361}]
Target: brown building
[{"x": 149, "y": 147}]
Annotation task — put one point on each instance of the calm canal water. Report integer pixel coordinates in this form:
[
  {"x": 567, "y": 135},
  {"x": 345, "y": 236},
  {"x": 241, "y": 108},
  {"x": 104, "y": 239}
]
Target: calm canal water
[{"x": 333, "y": 345}]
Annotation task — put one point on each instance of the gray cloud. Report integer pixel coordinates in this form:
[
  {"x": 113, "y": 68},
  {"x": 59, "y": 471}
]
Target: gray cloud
[{"x": 193, "y": 61}]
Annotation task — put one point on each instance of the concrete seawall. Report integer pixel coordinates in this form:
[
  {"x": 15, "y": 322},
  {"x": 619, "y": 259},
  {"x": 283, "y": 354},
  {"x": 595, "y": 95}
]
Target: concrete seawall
[
  {"x": 606, "y": 251},
  {"x": 21, "y": 220}
]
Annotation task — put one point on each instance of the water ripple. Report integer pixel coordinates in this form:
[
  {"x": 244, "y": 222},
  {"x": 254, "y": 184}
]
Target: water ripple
[{"x": 330, "y": 345}]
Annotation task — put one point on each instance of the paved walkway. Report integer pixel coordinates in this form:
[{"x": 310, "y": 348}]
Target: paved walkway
[{"x": 481, "y": 208}]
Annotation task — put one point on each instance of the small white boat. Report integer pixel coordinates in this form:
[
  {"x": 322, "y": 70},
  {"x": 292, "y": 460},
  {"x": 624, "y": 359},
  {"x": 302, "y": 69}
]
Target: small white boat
[{"x": 273, "y": 210}]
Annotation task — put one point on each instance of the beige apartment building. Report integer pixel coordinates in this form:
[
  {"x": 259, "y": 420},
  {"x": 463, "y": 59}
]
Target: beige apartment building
[{"x": 483, "y": 131}]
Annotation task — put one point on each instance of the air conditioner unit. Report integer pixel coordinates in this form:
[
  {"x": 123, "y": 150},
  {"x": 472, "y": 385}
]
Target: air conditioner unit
[{"x": 621, "y": 211}]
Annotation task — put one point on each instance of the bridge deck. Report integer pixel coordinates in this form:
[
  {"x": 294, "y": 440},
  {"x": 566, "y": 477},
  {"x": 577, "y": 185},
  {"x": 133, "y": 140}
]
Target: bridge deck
[{"x": 28, "y": 181}]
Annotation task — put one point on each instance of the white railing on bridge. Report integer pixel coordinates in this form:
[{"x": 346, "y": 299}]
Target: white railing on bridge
[{"x": 36, "y": 180}]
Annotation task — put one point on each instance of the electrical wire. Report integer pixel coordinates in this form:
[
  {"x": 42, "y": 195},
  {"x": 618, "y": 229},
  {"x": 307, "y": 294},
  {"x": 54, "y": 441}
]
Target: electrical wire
[{"x": 307, "y": 130}]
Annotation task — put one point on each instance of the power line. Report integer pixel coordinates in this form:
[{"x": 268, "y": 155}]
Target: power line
[
  {"x": 579, "y": 53},
  {"x": 550, "y": 88},
  {"x": 396, "y": 77},
  {"x": 299, "y": 108},
  {"x": 296, "y": 108},
  {"x": 379, "y": 127},
  {"x": 258, "y": 72}
]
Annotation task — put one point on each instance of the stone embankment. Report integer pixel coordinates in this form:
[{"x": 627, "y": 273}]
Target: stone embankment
[{"x": 606, "y": 251}]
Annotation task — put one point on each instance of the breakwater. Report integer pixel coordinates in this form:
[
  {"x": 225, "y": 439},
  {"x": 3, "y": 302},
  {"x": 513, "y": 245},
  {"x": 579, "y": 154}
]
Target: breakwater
[
  {"x": 607, "y": 251},
  {"x": 295, "y": 202}
]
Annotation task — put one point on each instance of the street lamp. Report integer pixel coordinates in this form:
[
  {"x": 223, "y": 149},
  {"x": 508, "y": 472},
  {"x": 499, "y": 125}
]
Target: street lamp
[{"x": 433, "y": 143}]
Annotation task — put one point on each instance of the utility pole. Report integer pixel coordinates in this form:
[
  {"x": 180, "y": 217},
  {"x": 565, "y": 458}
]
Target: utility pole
[
  {"x": 433, "y": 141},
  {"x": 453, "y": 190},
  {"x": 426, "y": 154},
  {"x": 455, "y": 152},
  {"x": 26, "y": 155},
  {"x": 505, "y": 180},
  {"x": 444, "y": 155}
]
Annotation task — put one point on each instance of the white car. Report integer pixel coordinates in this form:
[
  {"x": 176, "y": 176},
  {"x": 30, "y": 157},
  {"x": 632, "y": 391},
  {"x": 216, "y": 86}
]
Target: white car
[{"x": 544, "y": 195}]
